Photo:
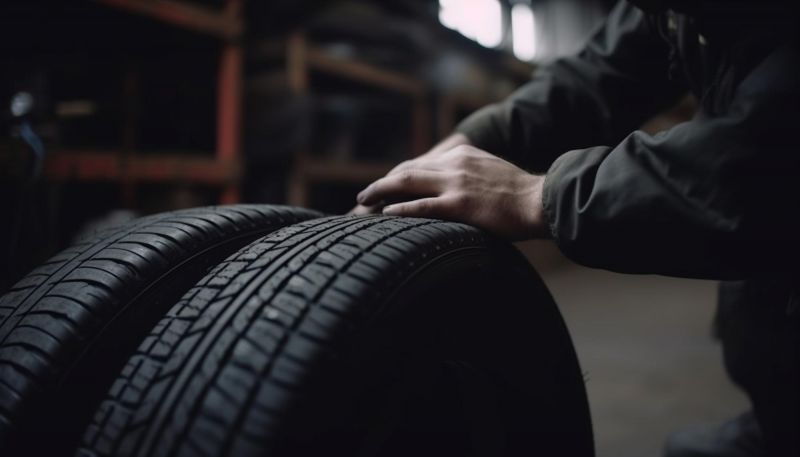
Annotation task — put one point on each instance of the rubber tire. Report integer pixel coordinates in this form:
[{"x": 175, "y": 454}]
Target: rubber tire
[
  {"x": 68, "y": 327},
  {"x": 299, "y": 342}
]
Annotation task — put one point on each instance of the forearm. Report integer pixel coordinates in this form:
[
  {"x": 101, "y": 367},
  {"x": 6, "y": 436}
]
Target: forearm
[{"x": 714, "y": 198}]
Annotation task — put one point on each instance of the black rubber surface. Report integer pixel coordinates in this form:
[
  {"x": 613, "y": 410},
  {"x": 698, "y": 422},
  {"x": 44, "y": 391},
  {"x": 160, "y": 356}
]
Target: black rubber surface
[
  {"x": 354, "y": 336},
  {"x": 68, "y": 327}
]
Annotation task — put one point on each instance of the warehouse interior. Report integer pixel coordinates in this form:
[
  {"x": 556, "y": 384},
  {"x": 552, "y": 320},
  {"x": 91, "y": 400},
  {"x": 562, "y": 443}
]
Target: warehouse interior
[{"x": 115, "y": 109}]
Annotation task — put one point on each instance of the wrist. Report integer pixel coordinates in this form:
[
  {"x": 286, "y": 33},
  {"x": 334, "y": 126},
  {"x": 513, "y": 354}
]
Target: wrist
[{"x": 537, "y": 221}]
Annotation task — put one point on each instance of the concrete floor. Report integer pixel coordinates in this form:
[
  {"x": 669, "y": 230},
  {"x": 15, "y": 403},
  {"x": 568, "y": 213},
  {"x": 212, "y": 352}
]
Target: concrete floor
[{"x": 645, "y": 345}]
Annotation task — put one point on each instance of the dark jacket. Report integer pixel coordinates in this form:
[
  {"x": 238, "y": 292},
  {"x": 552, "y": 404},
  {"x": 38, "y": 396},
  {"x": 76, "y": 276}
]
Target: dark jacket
[{"x": 716, "y": 197}]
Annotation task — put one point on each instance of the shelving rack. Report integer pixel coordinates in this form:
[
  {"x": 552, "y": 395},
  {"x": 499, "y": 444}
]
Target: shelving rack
[
  {"x": 223, "y": 169},
  {"x": 302, "y": 58}
]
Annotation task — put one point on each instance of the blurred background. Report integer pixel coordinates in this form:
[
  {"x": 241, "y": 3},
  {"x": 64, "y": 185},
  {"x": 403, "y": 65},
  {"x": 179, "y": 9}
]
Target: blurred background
[{"x": 111, "y": 109}]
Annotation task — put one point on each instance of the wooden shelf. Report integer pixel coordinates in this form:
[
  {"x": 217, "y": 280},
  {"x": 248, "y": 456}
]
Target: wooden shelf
[
  {"x": 165, "y": 168},
  {"x": 319, "y": 60},
  {"x": 224, "y": 24},
  {"x": 303, "y": 59}
]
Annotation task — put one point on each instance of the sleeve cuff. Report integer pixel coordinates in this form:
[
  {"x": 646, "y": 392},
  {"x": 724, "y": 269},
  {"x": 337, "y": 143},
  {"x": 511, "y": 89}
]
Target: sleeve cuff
[{"x": 564, "y": 182}]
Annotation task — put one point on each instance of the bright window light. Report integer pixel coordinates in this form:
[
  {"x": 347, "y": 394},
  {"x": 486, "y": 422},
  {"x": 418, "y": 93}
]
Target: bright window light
[
  {"x": 479, "y": 20},
  {"x": 523, "y": 31}
]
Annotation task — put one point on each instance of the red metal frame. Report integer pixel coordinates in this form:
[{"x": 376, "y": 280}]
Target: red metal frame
[
  {"x": 111, "y": 166},
  {"x": 224, "y": 169}
]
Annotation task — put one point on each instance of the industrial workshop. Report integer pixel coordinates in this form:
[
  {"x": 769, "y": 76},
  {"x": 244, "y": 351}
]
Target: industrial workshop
[{"x": 393, "y": 228}]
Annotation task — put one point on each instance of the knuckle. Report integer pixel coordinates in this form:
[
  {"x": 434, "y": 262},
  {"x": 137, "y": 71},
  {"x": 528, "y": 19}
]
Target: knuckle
[
  {"x": 459, "y": 179},
  {"x": 465, "y": 160}
]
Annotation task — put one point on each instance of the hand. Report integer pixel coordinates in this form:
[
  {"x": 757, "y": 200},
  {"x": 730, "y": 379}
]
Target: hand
[
  {"x": 456, "y": 139},
  {"x": 464, "y": 184}
]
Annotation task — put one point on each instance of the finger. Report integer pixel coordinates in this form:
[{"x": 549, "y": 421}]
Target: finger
[
  {"x": 435, "y": 208},
  {"x": 412, "y": 182},
  {"x": 361, "y": 210}
]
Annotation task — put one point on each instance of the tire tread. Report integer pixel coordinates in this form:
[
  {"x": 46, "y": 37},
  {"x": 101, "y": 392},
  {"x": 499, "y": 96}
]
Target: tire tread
[
  {"x": 254, "y": 325},
  {"x": 69, "y": 295}
]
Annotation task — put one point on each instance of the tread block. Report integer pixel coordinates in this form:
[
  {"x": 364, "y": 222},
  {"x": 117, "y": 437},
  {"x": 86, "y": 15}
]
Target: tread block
[
  {"x": 288, "y": 372},
  {"x": 291, "y": 304},
  {"x": 28, "y": 363},
  {"x": 272, "y": 398},
  {"x": 252, "y": 356},
  {"x": 13, "y": 377}
]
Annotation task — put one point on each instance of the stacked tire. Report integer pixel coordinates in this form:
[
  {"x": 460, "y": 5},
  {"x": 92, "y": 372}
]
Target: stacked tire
[{"x": 272, "y": 331}]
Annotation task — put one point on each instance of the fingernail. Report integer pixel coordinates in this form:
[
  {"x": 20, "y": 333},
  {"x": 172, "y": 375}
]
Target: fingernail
[{"x": 389, "y": 209}]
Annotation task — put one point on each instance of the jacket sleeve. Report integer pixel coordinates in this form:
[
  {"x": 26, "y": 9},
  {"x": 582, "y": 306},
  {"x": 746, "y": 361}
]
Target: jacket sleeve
[
  {"x": 717, "y": 197},
  {"x": 617, "y": 82}
]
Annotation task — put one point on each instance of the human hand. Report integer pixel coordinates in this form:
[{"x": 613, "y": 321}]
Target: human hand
[
  {"x": 456, "y": 139},
  {"x": 464, "y": 184}
]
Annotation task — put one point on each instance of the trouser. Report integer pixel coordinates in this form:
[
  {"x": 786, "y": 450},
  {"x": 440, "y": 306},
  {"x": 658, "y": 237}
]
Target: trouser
[{"x": 758, "y": 322}]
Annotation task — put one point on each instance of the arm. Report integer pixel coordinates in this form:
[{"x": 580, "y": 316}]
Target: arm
[
  {"x": 598, "y": 96},
  {"x": 717, "y": 197}
]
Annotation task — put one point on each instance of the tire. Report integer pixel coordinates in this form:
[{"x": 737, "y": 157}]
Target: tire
[
  {"x": 355, "y": 336},
  {"x": 68, "y": 327}
]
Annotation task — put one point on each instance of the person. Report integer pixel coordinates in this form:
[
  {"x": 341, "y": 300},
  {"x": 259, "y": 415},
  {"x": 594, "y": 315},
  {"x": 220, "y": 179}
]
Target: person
[{"x": 717, "y": 197}]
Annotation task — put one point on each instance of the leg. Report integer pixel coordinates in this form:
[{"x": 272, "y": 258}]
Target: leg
[{"x": 759, "y": 326}]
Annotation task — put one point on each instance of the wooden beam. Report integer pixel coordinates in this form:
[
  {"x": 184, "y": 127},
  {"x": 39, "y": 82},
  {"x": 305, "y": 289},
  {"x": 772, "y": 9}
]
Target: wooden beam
[{"x": 366, "y": 73}]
